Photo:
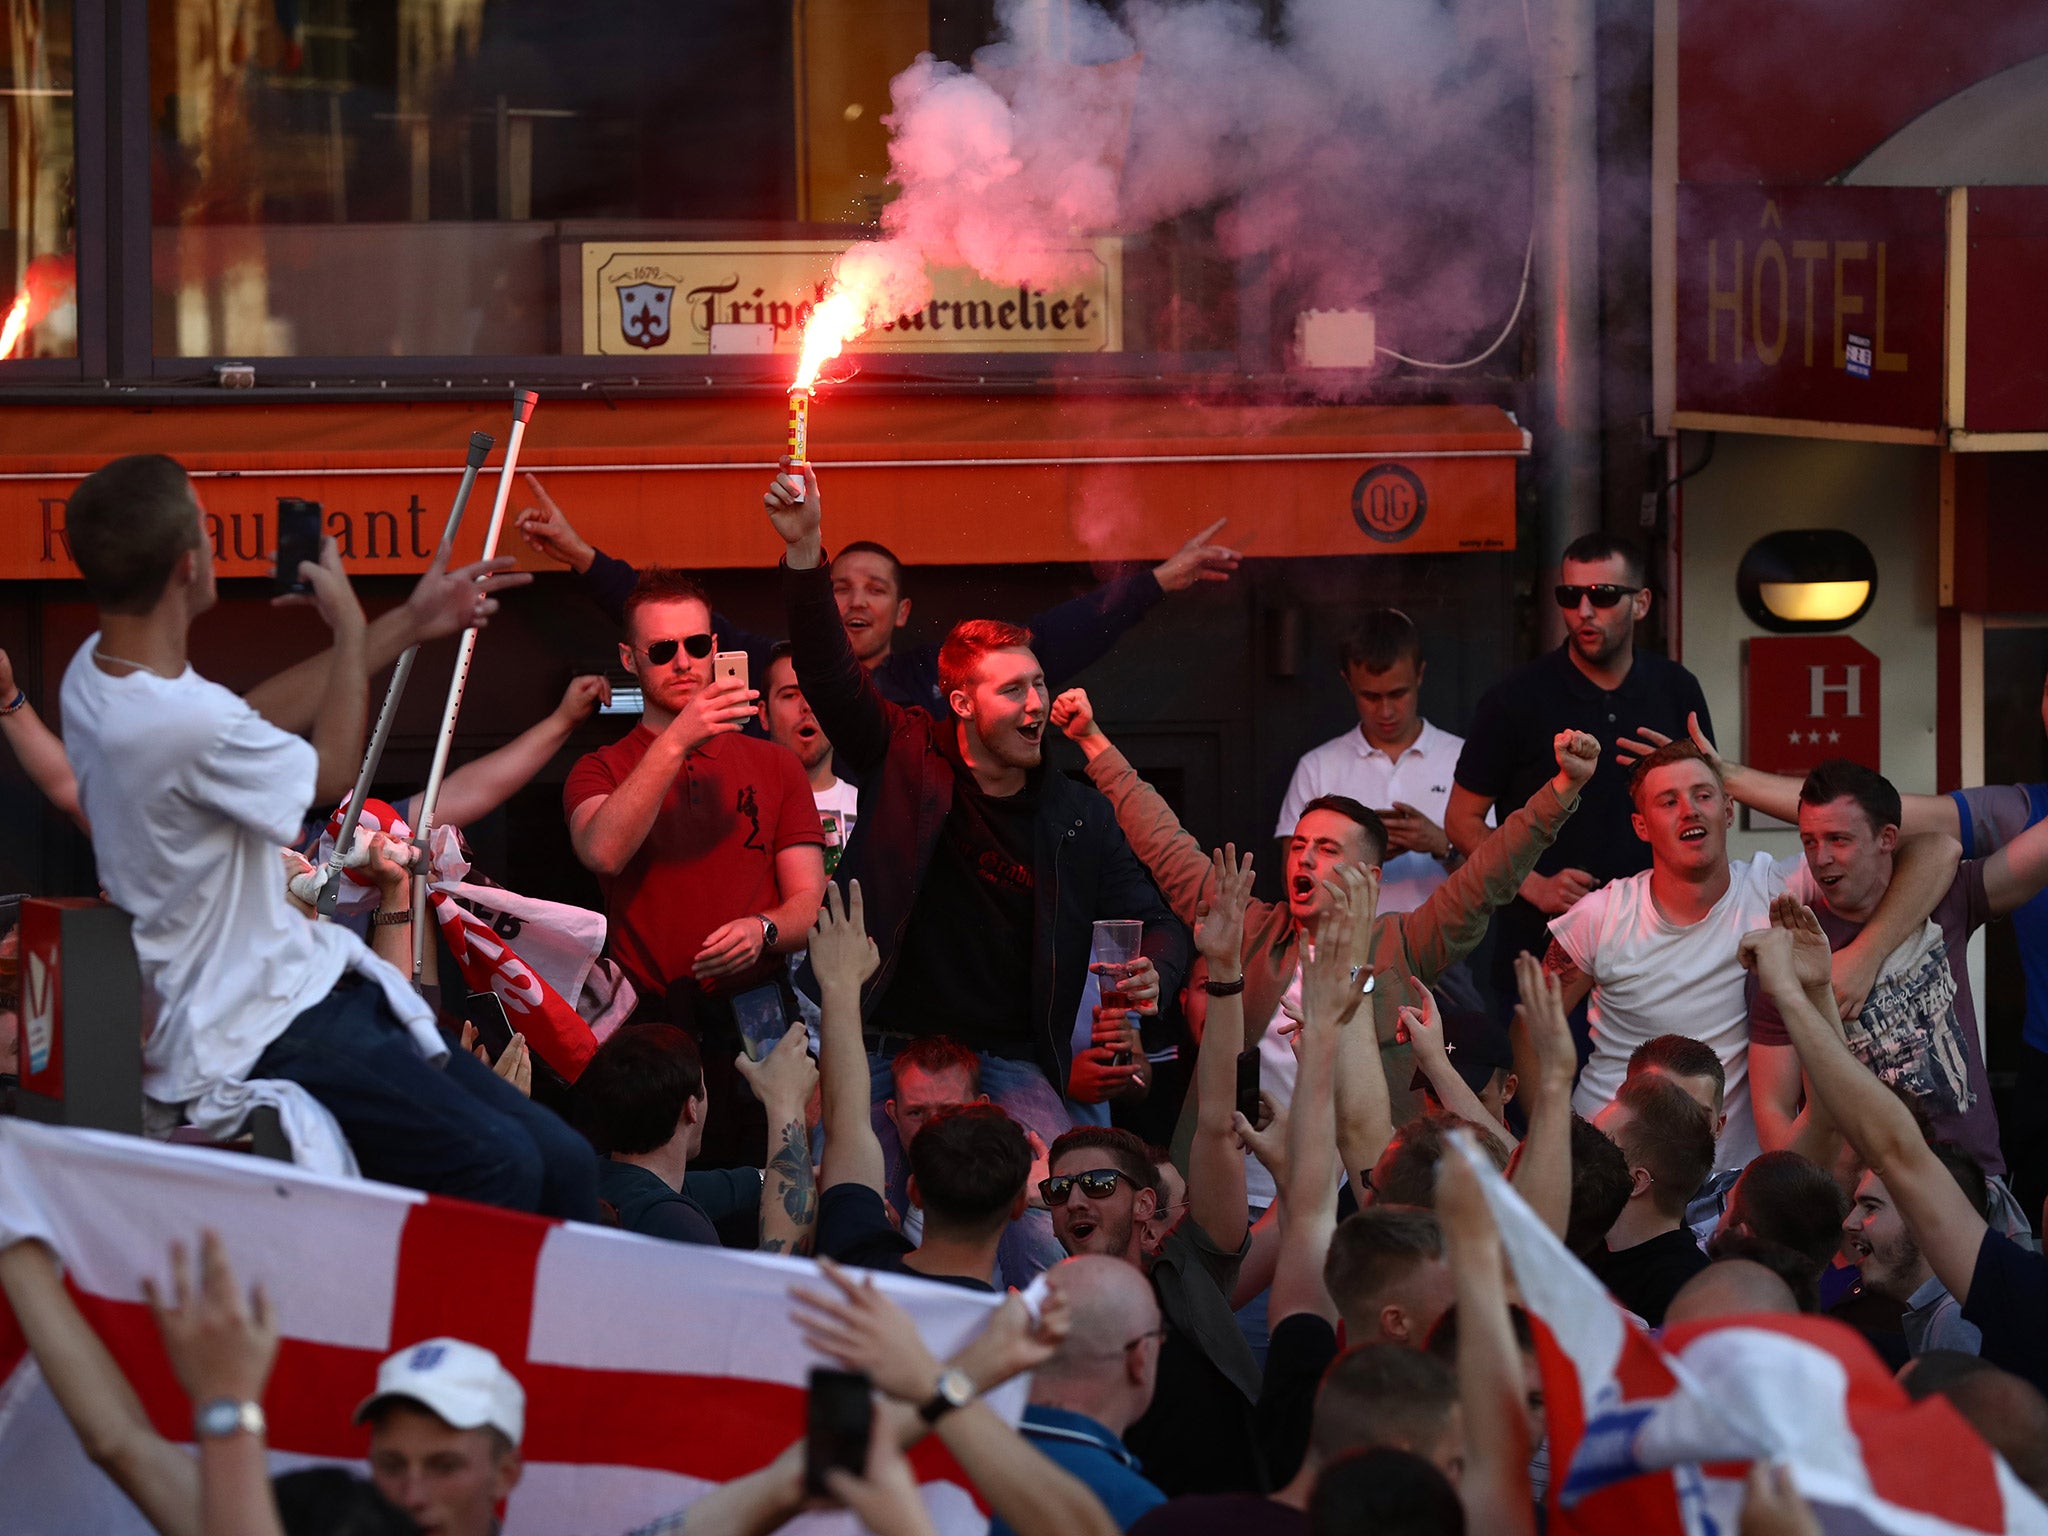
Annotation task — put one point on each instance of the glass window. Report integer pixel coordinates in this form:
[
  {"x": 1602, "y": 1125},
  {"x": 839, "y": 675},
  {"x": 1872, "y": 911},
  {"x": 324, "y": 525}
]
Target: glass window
[{"x": 38, "y": 185}]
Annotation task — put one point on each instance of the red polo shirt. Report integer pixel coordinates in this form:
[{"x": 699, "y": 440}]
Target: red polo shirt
[{"x": 709, "y": 857}]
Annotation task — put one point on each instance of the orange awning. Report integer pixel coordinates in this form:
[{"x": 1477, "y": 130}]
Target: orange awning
[{"x": 940, "y": 479}]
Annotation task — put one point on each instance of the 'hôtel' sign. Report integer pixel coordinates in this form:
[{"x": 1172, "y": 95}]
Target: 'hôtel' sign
[{"x": 667, "y": 298}]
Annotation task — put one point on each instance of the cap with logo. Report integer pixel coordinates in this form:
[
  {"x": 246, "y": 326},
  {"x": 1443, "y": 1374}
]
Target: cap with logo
[
  {"x": 1478, "y": 1047},
  {"x": 463, "y": 1384}
]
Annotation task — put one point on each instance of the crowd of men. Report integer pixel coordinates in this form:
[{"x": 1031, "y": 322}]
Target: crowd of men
[{"x": 855, "y": 1008}]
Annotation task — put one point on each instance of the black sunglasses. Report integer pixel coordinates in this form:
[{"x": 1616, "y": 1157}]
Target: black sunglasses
[
  {"x": 1604, "y": 595},
  {"x": 662, "y": 652},
  {"x": 1096, "y": 1184}
]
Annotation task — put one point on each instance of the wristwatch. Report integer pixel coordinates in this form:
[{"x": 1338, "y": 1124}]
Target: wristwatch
[
  {"x": 769, "y": 932},
  {"x": 225, "y": 1416},
  {"x": 954, "y": 1389}
]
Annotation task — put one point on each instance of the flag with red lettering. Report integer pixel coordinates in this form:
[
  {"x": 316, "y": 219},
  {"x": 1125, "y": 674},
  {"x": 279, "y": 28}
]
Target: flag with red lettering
[
  {"x": 558, "y": 1034},
  {"x": 1654, "y": 1436},
  {"x": 653, "y": 1370}
]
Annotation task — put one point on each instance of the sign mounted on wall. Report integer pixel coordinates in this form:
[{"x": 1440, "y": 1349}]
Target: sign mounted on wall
[
  {"x": 1808, "y": 698},
  {"x": 668, "y": 298}
]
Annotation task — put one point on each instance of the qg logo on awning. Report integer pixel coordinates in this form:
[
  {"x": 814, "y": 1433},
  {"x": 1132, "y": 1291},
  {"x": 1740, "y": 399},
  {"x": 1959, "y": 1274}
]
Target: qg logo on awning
[{"x": 1388, "y": 502}]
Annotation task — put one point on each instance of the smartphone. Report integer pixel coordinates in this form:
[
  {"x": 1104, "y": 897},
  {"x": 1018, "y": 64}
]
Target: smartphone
[
  {"x": 1248, "y": 1083},
  {"x": 485, "y": 1012},
  {"x": 758, "y": 1013},
  {"x": 729, "y": 664},
  {"x": 298, "y": 539},
  {"x": 840, "y": 1419}
]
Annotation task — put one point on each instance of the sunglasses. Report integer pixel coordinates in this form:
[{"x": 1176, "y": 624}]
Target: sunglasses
[
  {"x": 1604, "y": 595},
  {"x": 662, "y": 652},
  {"x": 1096, "y": 1184}
]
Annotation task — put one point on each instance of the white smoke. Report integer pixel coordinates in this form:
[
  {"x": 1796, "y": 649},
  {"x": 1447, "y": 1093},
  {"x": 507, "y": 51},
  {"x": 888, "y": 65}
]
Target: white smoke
[{"x": 1373, "y": 152}]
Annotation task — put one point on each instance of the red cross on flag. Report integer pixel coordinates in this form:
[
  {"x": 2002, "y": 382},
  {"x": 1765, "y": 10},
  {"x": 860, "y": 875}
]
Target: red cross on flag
[
  {"x": 652, "y": 1370},
  {"x": 1809, "y": 698}
]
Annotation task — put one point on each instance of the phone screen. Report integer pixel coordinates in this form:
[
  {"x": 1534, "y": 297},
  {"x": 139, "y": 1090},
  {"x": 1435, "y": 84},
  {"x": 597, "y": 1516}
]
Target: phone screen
[
  {"x": 298, "y": 539},
  {"x": 758, "y": 1013},
  {"x": 485, "y": 1012},
  {"x": 1248, "y": 1083},
  {"x": 841, "y": 1415}
]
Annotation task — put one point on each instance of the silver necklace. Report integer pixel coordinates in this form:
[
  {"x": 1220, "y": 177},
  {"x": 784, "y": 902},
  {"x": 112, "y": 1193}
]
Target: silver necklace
[{"x": 140, "y": 666}]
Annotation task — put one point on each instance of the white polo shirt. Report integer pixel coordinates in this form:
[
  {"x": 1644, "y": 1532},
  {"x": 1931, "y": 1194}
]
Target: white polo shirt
[{"x": 1421, "y": 777}]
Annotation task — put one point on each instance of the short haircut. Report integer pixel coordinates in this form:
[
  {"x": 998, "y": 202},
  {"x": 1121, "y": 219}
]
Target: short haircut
[
  {"x": 1600, "y": 1187},
  {"x": 1668, "y": 1133},
  {"x": 1120, "y": 1149},
  {"x": 1377, "y": 1248},
  {"x": 1592, "y": 548},
  {"x": 663, "y": 584},
  {"x": 333, "y": 1501},
  {"x": 1387, "y": 1492},
  {"x": 1443, "y": 1338},
  {"x": 633, "y": 1089},
  {"x": 933, "y": 1054},
  {"x": 1353, "y": 810},
  {"x": 128, "y": 524},
  {"x": 1381, "y": 1394},
  {"x": 781, "y": 650},
  {"x": 870, "y": 547},
  {"x": 1968, "y": 1174},
  {"x": 1791, "y": 1266},
  {"x": 1839, "y": 778},
  {"x": 970, "y": 1165},
  {"x": 1681, "y": 1056},
  {"x": 1380, "y": 639},
  {"x": 970, "y": 641},
  {"x": 1410, "y": 1178},
  {"x": 1671, "y": 752},
  {"x": 1792, "y": 1201}
]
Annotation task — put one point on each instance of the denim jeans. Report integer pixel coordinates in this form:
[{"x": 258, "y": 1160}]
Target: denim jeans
[
  {"x": 1020, "y": 1090},
  {"x": 457, "y": 1129}
]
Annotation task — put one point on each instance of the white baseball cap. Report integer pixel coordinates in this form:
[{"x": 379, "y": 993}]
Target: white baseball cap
[{"x": 462, "y": 1383}]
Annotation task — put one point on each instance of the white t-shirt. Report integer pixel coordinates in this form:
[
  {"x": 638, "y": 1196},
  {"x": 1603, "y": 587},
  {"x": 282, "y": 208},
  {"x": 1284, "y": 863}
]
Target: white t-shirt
[
  {"x": 1278, "y": 1070},
  {"x": 1421, "y": 777},
  {"x": 1651, "y": 977},
  {"x": 190, "y": 793},
  {"x": 838, "y": 810}
]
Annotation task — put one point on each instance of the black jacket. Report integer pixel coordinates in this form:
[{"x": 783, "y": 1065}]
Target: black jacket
[{"x": 907, "y": 763}]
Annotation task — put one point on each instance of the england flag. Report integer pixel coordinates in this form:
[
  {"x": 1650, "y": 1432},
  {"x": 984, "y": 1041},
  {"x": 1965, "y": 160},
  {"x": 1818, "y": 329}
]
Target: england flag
[
  {"x": 652, "y": 1370},
  {"x": 1654, "y": 1436}
]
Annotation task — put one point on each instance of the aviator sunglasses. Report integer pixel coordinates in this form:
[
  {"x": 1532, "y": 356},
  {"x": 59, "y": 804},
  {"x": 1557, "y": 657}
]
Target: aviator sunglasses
[
  {"x": 1096, "y": 1184},
  {"x": 1604, "y": 595},
  {"x": 662, "y": 652}
]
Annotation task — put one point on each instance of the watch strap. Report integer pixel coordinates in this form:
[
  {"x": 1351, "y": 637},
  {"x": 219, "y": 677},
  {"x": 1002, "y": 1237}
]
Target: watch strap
[{"x": 227, "y": 1416}]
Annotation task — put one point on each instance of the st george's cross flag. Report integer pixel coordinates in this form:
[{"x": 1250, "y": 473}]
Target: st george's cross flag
[
  {"x": 653, "y": 1370},
  {"x": 1654, "y": 1436}
]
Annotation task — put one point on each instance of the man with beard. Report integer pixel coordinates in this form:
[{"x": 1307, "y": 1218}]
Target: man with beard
[
  {"x": 983, "y": 873},
  {"x": 1597, "y": 682},
  {"x": 706, "y": 844},
  {"x": 1656, "y": 951},
  {"x": 1890, "y": 1264}
]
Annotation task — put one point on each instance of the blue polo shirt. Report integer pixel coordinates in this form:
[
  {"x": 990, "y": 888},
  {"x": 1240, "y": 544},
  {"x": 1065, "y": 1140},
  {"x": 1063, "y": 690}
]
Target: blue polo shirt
[{"x": 1091, "y": 1453}]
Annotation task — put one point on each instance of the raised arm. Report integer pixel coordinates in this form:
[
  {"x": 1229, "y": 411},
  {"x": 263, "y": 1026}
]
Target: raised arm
[
  {"x": 40, "y": 752},
  {"x": 1495, "y": 1487},
  {"x": 1177, "y": 862},
  {"x": 852, "y": 714},
  {"x": 337, "y": 728},
  {"x": 1922, "y": 872},
  {"x": 1082, "y": 630},
  {"x": 1543, "y": 1172},
  {"x": 842, "y": 958},
  {"x": 1450, "y": 924},
  {"x": 103, "y": 1410},
  {"x": 607, "y": 830},
  {"x": 2014, "y": 874},
  {"x": 1365, "y": 1108},
  {"x": 441, "y": 603},
  {"x": 1423, "y": 1029},
  {"x": 473, "y": 791},
  {"x": 1216, "y": 1190},
  {"x": 783, "y": 1081},
  {"x": 1789, "y": 956}
]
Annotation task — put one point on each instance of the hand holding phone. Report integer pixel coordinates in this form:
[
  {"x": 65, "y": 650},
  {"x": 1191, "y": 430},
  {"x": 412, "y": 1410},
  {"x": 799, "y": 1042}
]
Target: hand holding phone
[
  {"x": 730, "y": 664},
  {"x": 485, "y": 1012},
  {"x": 840, "y": 1418},
  {"x": 298, "y": 542}
]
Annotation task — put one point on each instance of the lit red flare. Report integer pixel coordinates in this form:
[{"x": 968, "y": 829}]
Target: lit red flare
[
  {"x": 15, "y": 325},
  {"x": 48, "y": 282}
]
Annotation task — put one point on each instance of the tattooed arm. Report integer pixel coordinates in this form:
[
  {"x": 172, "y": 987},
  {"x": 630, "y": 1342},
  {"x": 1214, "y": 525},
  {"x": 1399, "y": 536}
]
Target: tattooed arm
[
  {"x": 1574, "y": 983},
  {"x": 784, "y": 1080}
]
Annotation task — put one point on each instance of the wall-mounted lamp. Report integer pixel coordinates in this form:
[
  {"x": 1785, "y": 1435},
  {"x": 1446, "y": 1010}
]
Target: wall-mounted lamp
[{"x": 1806, "y": 580}]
